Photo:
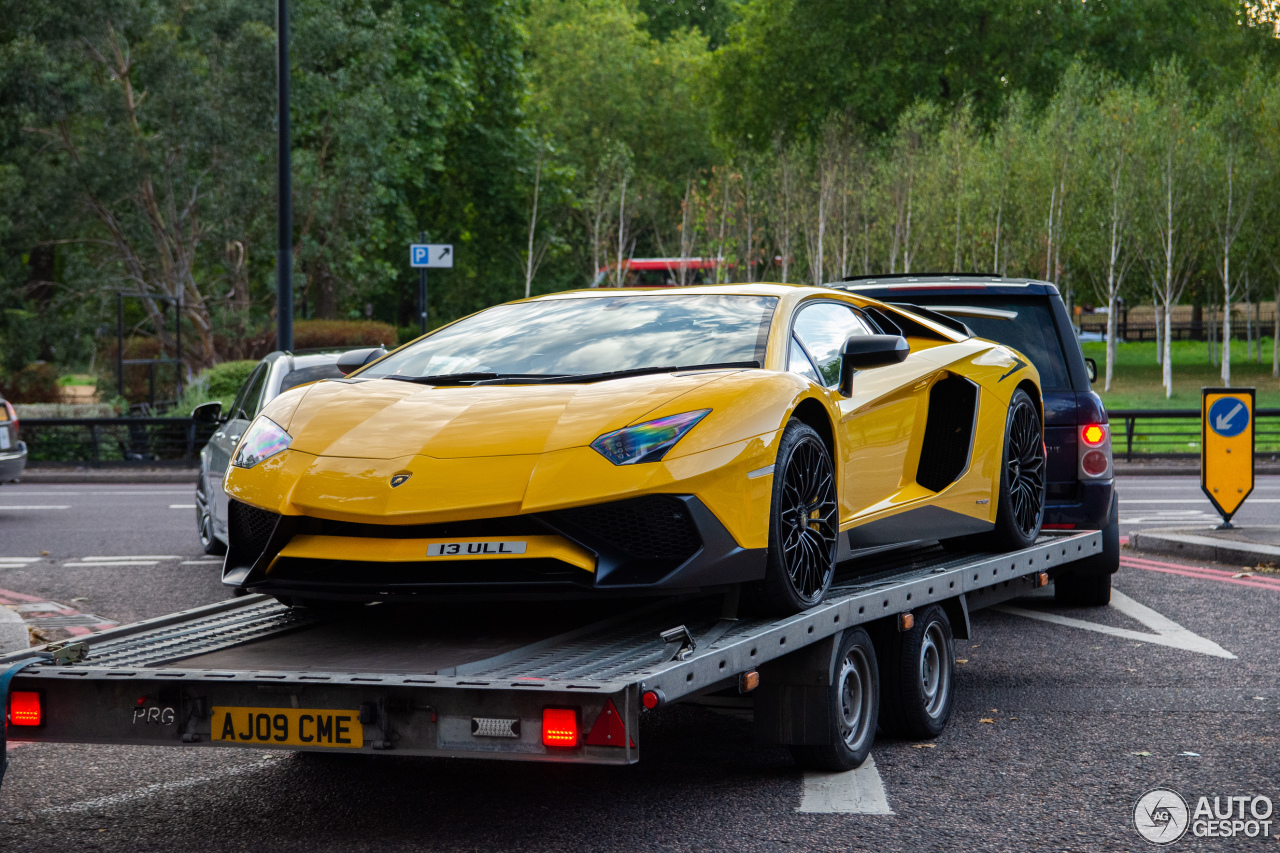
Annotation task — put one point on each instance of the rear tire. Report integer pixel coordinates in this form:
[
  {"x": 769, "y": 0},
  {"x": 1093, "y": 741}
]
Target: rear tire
[
  {"x": 804, "y": 522},
  {"x": 854, "y": 709},
  {"x": 917, "y": 676}
]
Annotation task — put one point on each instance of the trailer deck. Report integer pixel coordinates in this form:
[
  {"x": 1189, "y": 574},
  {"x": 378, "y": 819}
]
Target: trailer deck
[{"x": 475, "y": 679}]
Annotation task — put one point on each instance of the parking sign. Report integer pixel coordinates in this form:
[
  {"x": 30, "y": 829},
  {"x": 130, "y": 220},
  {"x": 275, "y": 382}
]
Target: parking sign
[{"x": 431, "y": 255}]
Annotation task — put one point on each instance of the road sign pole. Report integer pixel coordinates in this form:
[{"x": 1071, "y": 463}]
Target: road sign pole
[
  {"x": 1227, "y": 449},
  {"x": 422, "y": 289},
  {"x": 284, "y": 188}
]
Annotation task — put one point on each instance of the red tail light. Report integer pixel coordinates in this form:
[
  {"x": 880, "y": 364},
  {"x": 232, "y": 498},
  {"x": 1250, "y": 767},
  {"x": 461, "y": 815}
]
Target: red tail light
[
  {"x": 24, "y": 708},
  {"x": 1095, "y": 451},
  {"x": 560, "y": 727},
  {"x": 1093, "y": 434}
]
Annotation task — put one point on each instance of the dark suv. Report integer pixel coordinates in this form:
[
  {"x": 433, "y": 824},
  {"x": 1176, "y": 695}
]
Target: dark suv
[{"x": 1031, "y": 317}]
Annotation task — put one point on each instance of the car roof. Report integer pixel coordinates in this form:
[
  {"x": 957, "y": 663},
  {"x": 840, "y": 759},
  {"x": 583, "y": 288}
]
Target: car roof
[{"x": 889, "y": 287}]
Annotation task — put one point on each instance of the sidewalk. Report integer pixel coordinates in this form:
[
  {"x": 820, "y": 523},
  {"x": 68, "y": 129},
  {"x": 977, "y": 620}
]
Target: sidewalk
[
  {"x": 1241, "y": 546},
  {"x": 64, "y": 474}
]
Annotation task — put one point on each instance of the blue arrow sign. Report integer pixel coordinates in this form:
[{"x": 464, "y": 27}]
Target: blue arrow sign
[
  {"x": 1228, "y": 416},
  {"x": 431, "y": 255}
]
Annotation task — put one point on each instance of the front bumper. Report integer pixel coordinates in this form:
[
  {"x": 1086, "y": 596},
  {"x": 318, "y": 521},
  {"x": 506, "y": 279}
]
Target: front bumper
[
  {"x": 650, "y": 544},
  {"x": 13, "y": 462}
]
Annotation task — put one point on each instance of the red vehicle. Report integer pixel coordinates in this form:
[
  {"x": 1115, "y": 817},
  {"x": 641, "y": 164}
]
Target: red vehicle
[{"x": 660, "y": 272}]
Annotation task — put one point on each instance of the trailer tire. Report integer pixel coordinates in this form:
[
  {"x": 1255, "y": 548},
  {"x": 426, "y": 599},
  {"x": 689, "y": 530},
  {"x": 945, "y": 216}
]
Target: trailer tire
[
  {"x": 1072, "y": 590},
  {"x": 854, "y": 697},
  {"x": 917, "y": 675}
]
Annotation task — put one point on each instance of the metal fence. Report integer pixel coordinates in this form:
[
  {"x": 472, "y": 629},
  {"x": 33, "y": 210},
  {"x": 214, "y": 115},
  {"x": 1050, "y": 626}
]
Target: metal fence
[
  {"x": 114, "y": 441},
  {"x": 1176, "y": 432}
]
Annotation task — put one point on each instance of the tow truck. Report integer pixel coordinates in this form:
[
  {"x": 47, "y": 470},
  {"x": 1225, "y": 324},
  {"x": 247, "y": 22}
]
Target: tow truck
[{"x": 560, "y": 682}]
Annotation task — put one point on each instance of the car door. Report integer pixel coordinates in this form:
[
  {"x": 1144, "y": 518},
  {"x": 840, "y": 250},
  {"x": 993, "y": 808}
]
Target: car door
[
  {"x": 224, "y": 440},
  {"x": 880, "y": 424}
]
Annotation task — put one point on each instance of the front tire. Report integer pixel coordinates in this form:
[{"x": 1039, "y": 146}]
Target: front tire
[
  {"x": 804, "y": 523},
  {"x": 212, "y": 546}
]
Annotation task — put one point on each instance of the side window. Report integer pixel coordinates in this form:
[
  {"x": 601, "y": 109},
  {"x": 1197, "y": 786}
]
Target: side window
[
  {"x": 823, "y": 327},
  {"x": 798, "y": 362},
  {"x": 246, "y": 403}
]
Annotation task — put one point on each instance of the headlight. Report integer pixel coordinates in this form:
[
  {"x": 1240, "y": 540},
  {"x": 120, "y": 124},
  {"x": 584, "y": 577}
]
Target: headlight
[
  {"x": 264, "y": 439},
  {"x": 646, "y": 442}
]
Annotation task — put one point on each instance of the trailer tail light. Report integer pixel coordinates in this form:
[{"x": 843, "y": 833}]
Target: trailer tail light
[
  {"x": 1095, "y": 451},
  {"x": 25, "y": 708},
  {"x": 560, "y": 727}
]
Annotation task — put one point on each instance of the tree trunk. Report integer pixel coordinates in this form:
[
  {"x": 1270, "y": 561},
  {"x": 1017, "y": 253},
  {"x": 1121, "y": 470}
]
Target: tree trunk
[
  {"x": 1111, "y": 341},
  {"x": 1168, "y": 352}
]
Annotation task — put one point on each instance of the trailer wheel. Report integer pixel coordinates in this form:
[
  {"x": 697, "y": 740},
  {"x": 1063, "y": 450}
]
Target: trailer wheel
[
  {"x": 917, "y": 671},
  {"x": 854, "y": 697}
]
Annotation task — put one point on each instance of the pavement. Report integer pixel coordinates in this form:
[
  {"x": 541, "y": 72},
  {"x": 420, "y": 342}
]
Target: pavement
[{"x": 1064, "y": 717}]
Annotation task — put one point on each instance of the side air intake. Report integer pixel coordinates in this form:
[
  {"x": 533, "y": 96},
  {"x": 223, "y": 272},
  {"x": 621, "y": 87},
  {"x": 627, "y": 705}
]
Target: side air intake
[{"x": 948, "y": 432}]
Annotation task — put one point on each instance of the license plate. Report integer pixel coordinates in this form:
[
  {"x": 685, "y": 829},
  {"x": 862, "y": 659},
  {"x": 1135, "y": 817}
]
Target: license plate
[
  {"x": 288, "y": 727},
  {"x": 4, "y": 438},
  {"x": 474, "y": 549}
]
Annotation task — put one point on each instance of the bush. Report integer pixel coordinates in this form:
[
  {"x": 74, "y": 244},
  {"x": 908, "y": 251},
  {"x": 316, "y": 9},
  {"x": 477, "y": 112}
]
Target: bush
[
  {"x": 220, "y": 382},
  {"x": 35, "y": 383},
  {"x": 325, "y": 334}
]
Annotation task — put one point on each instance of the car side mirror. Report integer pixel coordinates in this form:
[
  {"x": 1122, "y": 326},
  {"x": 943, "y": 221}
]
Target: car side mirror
[
  {"x": 862, "y": 352},
  {"x": 350, "y": 362},
  {"x": 1091, "y": 367},
  {"x": 208, "y": 413}
]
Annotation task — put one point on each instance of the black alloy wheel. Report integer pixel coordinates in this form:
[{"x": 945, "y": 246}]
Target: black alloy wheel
[
  {"x": 803, "y": 524},
  {"x": 1024, "y": 466}
]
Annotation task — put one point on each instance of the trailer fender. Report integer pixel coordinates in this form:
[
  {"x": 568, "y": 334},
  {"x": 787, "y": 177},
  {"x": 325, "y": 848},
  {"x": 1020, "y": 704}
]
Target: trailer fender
[
  {"x": 958, "y": 612},
  {"x": 791, "y": 704}
]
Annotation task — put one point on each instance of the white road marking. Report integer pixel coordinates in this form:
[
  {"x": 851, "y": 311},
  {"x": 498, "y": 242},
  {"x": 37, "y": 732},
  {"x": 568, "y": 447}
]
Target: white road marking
[
  {"x": 1189, "y": 501},
  {"x": 102, "y": 564},
  {"x": 182, "y": 506},
  {"x": 17, "y": 561},
  {"x": 201, "y": 563},
  {"x": 1167, "y": 632},
  {"x": 856, "y": 792},
  {"x": 134, "y": 557},
  {"x": 162, "y": 788},
  {"x": 37, "y": 506}
]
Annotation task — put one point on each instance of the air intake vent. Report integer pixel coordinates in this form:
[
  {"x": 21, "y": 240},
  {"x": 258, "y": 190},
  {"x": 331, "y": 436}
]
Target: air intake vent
[
  {"x": 653, "y": 527},
  {"x": 948, "y": 433},
  {"x": 250, "y": 528}
]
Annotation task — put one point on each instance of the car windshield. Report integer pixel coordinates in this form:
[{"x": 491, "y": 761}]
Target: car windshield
[
  {"x": 304, "y": 375},
  {"x": 591, "y": 335},
  {"x": 1024, "y": 323}
]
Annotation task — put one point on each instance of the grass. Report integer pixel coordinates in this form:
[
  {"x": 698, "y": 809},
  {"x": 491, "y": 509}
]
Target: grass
[
  {"x": 1137, "y": 380},
  {"x": 77, "y": 379}
]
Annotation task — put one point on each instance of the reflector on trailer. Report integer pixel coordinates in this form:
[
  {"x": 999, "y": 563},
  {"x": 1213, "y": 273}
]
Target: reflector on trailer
[
  {"x": 24, "y": 708},
  {"x": 609, "y": 729},
  {"x": 560, "y": 727}
]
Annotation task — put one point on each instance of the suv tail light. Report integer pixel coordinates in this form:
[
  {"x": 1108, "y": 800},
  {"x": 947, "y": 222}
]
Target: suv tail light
[
  {"x": 11, "y": 417},
  {"x": 1095, "y": 451}
]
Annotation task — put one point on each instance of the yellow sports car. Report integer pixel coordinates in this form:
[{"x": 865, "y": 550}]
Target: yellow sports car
[{"x": 651, "y": 441}]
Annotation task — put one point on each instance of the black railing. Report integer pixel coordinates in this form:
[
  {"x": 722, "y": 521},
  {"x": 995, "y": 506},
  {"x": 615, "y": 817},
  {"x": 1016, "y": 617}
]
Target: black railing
[
  {"x": 114, "y": 441},
  {"x": 1176, "y": 432},
  {"x": 1179, "y": 330}
]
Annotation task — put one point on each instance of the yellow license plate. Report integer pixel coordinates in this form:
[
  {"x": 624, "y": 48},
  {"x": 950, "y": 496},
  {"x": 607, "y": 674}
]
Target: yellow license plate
[{"x": 288, "y": 727}]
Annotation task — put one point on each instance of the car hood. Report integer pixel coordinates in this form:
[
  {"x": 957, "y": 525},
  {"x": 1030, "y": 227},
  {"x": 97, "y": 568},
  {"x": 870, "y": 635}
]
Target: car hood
[{"x": 387, "y": 419}]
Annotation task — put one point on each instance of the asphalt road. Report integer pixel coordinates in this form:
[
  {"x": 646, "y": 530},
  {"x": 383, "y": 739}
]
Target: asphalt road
[{"x": 1059, "y": 727}]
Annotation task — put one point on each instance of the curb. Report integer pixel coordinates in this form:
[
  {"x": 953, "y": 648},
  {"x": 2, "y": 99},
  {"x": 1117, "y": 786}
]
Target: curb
[
  {"x": 1183, "y": 544},
  {"x": 109, "y": 475},
  {"x": 13, "y": 631}
]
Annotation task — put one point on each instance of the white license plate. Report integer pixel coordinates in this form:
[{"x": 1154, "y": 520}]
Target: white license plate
[
  {"x": 474, "y": 549},
  {"x": 4, "y": 438}
]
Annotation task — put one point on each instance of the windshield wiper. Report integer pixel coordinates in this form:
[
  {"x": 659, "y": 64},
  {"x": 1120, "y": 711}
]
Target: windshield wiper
[{"x": 445, "y": 378}]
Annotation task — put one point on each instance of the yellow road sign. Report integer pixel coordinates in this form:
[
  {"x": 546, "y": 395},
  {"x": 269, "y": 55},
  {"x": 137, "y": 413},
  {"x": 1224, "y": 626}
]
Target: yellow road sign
[{"x": 1226, "y": 448}]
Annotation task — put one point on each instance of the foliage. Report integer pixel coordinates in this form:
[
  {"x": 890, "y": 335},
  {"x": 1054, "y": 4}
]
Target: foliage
[
  {"x": 220, "y": 382},
  {"x": 327, "y": 334},
  {"x": 35, "y": 383}
]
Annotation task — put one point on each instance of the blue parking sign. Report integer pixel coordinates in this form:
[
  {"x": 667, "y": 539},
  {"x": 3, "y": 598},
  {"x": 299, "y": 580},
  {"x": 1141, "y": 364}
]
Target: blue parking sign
[{"x": 431, "y": 255}]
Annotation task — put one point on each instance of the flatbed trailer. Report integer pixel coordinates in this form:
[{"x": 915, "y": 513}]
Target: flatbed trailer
[{"x": 545, "y": 681}]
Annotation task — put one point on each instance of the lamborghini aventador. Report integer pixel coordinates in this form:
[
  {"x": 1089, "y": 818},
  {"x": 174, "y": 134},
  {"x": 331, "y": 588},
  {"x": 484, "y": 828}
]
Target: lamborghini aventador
[{"x": 639, "y": 441}]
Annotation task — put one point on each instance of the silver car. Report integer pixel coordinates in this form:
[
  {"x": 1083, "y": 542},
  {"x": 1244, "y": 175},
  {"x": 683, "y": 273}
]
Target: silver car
[
  {"x": 274, "y": 375},
  {"x": 13, "y": 453}
]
